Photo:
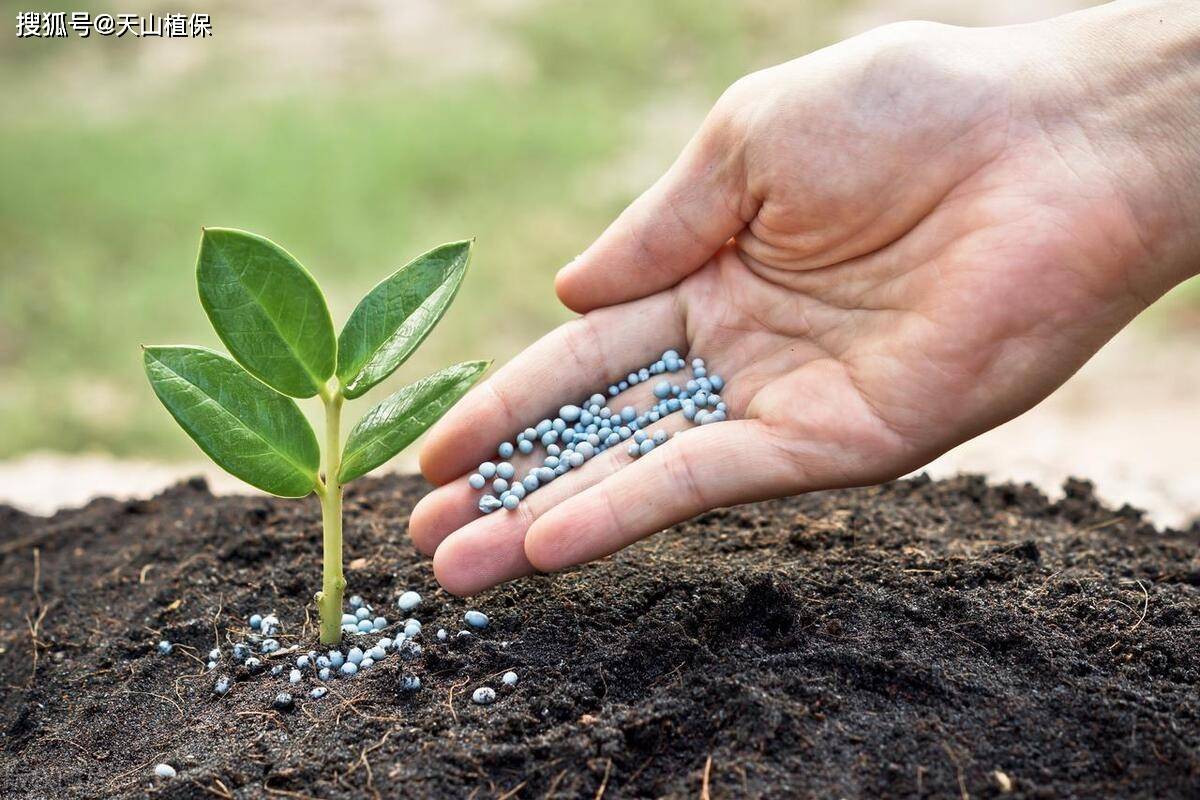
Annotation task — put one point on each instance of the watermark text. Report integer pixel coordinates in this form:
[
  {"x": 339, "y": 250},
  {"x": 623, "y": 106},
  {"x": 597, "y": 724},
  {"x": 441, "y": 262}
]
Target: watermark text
[{"x": 84, "y": 24}]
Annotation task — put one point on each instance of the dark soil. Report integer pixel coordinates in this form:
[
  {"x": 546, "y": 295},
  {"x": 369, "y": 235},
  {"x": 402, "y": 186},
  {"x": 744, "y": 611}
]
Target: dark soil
[{"x": 914, "y": 639}]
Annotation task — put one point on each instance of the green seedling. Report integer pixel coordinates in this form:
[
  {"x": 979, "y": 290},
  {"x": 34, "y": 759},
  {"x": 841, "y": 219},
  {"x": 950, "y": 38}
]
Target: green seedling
[{"x": 270, "y": 313}]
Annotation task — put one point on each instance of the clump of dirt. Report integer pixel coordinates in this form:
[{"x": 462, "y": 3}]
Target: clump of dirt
[{"x": 916, "y": 639}]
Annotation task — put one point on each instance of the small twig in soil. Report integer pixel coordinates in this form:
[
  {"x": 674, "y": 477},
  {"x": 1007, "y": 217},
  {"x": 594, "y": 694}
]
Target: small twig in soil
[
  {"x": 35, "y": 624},
  {"x": 215, "y": 620},
  {"x": 604, "y": 781},
  {"x": 118, "y": 778},
  {"x": 646, "y": 763},
  {"x": 312, "y": 718},
  {"x": 373, "y": 718},
  {"x": 495, "y": 675},
  {"x": 362, "y": 757},
  {"x": 187, "y": 562},
  {"x": 351, "y": 703},
  {"x": 286, "y": 651},
  {"x": 73, "y": 744},
  {"x": 1145, "y": 605},
  {"x": 554, "y": 784},
  {"x": 662, "y": 679},
  {"x": 37, "y": 575},
  {"x": 34, "y": 627},
  {"x": 220, "y": 790},
  {"x": 450, "y": 697},
  {"x": 513, "y": 790},
  {"x": 179, "y": 694},
  {"x": 178, "y": 707},
  {"x": 286, "y": 793},
  {"x": 965, "y": 639},
  {"x": 371, "y": 780},
  {"x": 111, "y": 575},
  {"x": 704, "y": 795},
  {"x": 25, "y": 541},
  {"x": 962, "y": 785},
  {"x": 190, "y": 652},
  {"x": 144, "y": 571}
]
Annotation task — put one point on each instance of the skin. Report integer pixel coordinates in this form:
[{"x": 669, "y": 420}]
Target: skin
[{"x": 886, "y": 248}]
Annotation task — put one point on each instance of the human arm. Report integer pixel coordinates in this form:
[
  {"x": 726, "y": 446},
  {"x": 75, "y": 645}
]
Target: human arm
[{"x": 886, "y": 247}]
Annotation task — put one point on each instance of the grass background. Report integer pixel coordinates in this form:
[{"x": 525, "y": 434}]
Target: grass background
[{"x": 355, "y": 134}]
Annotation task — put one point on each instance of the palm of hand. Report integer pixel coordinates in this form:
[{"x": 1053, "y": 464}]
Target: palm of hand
[
  {"x": 917, "y": 255},
  {"x": 874, "y": 316}
]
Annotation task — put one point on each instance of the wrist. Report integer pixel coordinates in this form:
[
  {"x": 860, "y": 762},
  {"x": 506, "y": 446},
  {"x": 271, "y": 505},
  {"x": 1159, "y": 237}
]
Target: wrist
[{"x": 1131, "y": 71}]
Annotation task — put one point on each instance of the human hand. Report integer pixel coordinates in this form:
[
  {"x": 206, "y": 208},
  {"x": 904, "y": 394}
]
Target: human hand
[{"x": 886, "y": 248}]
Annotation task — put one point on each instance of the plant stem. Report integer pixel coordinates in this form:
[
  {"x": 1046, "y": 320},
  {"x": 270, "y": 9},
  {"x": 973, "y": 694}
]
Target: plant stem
[{"x": 333, "y": 584}]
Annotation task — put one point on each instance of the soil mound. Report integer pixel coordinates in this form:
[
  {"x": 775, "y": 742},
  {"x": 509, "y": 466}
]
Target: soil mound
[{"x": 917, "y": 639}]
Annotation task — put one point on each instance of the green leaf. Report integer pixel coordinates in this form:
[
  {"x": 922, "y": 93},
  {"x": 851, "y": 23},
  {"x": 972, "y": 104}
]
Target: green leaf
[
  {"x": 248, "y": 428},
  {"x": 267, "y": 310},
  {"x": 396, "y": 316},
  {"x": 392, "y": 425}
]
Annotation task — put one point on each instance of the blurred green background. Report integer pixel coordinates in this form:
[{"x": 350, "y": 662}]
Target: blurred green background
[{"x": 357, "y": 135}]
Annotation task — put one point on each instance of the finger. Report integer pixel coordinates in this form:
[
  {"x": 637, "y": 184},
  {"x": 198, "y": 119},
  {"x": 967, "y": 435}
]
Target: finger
[
  {"x": 445, "y": 509},
  {"x": 490, "y": 549},
  {"x": 455, "y": 504},
  {"x": 487, "y": 552},
  {"x": 700, "y": 469},
  {"x": 566, "y": 365},
  {"x": 669, "y": 231}
]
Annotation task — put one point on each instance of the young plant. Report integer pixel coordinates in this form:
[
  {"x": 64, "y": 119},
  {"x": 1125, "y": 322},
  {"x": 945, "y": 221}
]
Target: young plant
[{"x": 271, "y": 315}]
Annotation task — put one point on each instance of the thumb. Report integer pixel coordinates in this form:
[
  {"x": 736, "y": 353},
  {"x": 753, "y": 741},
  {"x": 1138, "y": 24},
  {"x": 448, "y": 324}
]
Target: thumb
[{"x": 669, "y": 231}]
